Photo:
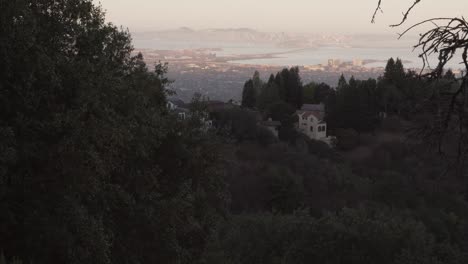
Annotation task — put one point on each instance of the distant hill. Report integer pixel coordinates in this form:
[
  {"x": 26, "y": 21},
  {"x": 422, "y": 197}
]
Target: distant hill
[
  {"x": 228, "y": 35},
  {"x": 248, "y": 36}
]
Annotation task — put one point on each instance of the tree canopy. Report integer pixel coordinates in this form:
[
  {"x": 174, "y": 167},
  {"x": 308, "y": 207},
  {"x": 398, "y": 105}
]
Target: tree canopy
[{"x": 93, "y": 167}]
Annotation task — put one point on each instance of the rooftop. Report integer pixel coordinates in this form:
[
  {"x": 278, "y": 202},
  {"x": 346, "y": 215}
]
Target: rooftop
[{"x": 313, "y": 107}]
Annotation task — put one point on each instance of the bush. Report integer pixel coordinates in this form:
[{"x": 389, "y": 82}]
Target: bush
[
  {"x": 321, "y": 150},
  {"x": 392, "y": 124},
  {"x": 265, "y": 137},
  {"x": 351, "y": 236},
  {"x": 347, "y": 139}
]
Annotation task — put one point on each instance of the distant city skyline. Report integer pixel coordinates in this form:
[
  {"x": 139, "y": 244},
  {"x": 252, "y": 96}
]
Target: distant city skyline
[{"x": 331, "y": 16}]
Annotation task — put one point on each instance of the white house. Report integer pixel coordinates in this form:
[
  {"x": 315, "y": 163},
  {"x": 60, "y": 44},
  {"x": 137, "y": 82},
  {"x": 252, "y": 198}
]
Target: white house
[
  {"x": 311, "y": 122},
  {"x": 173, "y": 104},
  {"x": 178, "y": 107}
]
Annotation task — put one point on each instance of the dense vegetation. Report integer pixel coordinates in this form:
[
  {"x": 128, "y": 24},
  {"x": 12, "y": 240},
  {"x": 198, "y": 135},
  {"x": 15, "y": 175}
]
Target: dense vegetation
[{"x": 95, "y": 169}]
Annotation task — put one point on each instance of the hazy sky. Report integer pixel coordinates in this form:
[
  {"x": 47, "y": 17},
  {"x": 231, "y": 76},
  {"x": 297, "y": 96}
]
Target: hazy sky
[{"x": 337, "y": 16}]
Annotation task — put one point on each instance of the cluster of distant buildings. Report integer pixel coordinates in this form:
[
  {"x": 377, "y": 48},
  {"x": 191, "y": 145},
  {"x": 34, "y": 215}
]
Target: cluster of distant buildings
[
  {"x": 336, "y": 65},
  {"x": 311, "y": 118}
]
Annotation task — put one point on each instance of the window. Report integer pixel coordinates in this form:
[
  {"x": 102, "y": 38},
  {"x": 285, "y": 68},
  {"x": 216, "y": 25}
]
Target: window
[{"x": 312, "y": 129}]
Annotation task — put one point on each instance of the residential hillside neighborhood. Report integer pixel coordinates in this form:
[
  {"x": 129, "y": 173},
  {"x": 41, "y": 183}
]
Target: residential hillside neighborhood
[{"x": 310, "y": 119}]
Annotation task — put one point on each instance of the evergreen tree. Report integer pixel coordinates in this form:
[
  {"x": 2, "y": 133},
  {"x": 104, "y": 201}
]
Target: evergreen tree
[
  {"x": 249, "y": 95},
  {"x": 295, "y": 88},
  {"x": 354, "y": 106},
  {"x": 449, "y": 75},
  {"x": 342, "y": 83},
  {"x": 257, "y": 82},
  {"x": 352, "y": 82},
  {"x": 389, "y": 70},
  {"x": 393, "y": 91},
  {"x": 309, "y": 91},
  {"x": 322, "y": 92},
  {"x": 93, "y": 166},
  {"x": 290, "y": 87},
  {"x": 269, "y": 94},
  {"x": 399, "y": 73}
]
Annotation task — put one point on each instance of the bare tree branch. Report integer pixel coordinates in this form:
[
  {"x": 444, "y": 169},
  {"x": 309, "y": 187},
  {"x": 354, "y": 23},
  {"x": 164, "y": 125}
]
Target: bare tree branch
[
  {"x": 449, "y": 105},
  {"x": 405, "y": 15},
  {"x": 377, "y": 10}
]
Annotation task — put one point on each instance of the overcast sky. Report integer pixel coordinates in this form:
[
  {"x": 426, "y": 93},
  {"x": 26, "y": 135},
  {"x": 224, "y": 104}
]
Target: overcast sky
[{"x": 337, "y": 16}]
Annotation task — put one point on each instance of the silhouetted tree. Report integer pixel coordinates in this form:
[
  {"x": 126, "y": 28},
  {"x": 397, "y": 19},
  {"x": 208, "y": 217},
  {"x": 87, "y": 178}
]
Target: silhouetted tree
[
  {"x": 269, "y": 94},
  {"x": 447, "y": 38},
  {"x": 249, "y": 95},
  {"x": 342, "y": 83},
  {"x": 93, "y": 166}
]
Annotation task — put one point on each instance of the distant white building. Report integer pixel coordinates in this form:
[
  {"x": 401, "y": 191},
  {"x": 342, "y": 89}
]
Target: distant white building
[
  {"x": 311, "y": 122},
  {"x": 173, "y": 104},
  {"x": 178, "y": 106},
  {"x": 357, "y": 62},
  {"x": 334, "y": 63}
]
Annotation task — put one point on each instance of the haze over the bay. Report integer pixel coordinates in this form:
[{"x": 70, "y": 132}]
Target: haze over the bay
[
  {"x": 331, "y": 16},
  {"x": 225, "y": 41}
]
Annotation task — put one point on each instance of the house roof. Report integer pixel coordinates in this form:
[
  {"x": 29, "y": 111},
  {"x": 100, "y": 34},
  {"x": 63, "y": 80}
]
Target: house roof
[
  {"x": 177, "y": 102},
  {"x": 313, "y": 107},
  {"x": 317, "y": 114}
]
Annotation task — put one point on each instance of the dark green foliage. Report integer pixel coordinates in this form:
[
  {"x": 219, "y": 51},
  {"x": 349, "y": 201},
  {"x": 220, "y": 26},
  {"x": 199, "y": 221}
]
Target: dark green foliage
[
  {"x": 281, "y": 112},
  {"x": 398, "y": 92},
  {"x": 322, "y": 92},
  {"x": 363, "y": 235},
  {"x": 322, "y": 150},
  {"x": 354, "y": 105},
  {"x": 309, "y": 93},
  {"x": 258, "y": 176},
  {"x": 249, "y": 95},
  {"x": 13, "y": 260},
  {"x": 237, "y": 123},
  {"x": 449, "y": 75},
  {"x": 286, "y": 87},
  {"x": 269, "y": 94},
  {"x": 284, "y": 113},
  {"x": 93, "y": 168},
  {"x": 265, "y": 137},
  {"x": 347, "y": 138},
  {"x": 316, "y": 93},
  {"x": 361, "y": 105},
  {"x": 257, "y": 82},
  {"x": 290, "y": 87},
  {"x": 402, "y": 210},
  {"x": 342, "y": 83}
]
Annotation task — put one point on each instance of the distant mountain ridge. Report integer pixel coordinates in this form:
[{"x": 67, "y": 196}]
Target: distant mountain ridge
[
  {"x": 231, "y": 35},
  {"x": 249, "y": 36}
]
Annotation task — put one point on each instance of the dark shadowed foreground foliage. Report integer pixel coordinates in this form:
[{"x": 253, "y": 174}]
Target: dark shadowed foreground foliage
[{"x": 95, "y": 169}]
